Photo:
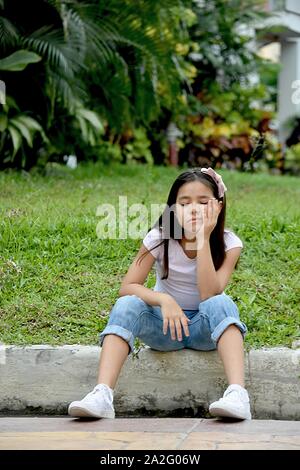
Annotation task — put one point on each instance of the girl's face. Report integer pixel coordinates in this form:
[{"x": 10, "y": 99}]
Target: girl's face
[{"x": 191, "y": 199}]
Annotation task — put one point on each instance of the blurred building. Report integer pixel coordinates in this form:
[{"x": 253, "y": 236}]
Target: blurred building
[{"x": 281, "y": 43}]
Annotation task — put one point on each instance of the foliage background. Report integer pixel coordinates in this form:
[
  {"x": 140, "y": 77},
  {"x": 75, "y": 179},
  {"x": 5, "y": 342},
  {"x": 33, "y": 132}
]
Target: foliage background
[{"x": 103, "y": 80}]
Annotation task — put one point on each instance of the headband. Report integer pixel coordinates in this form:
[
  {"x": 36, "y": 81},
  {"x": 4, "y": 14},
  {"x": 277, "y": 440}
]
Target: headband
[{"x": 217, "y": 179}]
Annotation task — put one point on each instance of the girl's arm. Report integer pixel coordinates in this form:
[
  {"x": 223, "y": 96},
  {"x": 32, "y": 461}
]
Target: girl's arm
[
  {"x": 212, "y": 282},
  {"x": 137, "y": 275}
]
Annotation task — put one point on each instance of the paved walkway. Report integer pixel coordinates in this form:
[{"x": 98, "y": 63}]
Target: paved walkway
[{"x": 146, "y": 434}]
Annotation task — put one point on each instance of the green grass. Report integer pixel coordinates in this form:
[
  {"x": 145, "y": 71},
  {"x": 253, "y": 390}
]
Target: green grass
[{"x": 58, "y": 280}]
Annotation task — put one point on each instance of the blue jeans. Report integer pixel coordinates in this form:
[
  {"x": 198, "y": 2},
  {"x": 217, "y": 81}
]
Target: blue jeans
[{"x": 131, "y": 317}]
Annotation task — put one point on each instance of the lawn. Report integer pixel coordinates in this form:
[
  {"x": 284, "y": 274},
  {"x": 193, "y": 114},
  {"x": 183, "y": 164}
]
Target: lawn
[{"x": 58, "y": 280}]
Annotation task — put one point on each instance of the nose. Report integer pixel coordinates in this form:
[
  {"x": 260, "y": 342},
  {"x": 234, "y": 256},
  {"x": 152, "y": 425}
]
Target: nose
[{"x": 195, "y": 208}]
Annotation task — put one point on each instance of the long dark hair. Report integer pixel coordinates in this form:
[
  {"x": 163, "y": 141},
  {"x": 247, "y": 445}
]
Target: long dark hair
[{"x": 217, "y": 245}]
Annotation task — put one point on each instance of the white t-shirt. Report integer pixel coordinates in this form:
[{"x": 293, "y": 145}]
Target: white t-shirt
[{"x": 181, "y": 283}]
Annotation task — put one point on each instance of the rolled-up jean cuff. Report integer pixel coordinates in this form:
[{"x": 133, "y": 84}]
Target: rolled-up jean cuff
[
  {"x": 119, "y": 331},
  {"x": 219, "y": 330}
]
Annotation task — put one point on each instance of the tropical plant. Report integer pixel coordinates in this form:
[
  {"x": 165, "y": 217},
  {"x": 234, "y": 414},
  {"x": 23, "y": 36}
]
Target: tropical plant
[
  {"x": 292, "y": 159},
  {"x": 112, "y": 60},
  {"x": 138, "y": 148},
  {"x": 228, "y": 106},
  {"x": 103, "y": 79},
  {"x": 18, "y": 61},
  {"x": 18, "y": 132}
]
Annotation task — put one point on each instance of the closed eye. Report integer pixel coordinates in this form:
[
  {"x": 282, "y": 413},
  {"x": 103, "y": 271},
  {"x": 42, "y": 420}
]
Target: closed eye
[{"x": 200, "y": 202}]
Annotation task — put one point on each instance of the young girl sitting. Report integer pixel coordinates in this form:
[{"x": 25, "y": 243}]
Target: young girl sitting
[{"x": 194, "y": 257}]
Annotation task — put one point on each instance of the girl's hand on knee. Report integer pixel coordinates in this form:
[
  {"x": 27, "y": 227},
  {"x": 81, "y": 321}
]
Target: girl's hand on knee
[{"x": 174, "y": 318}]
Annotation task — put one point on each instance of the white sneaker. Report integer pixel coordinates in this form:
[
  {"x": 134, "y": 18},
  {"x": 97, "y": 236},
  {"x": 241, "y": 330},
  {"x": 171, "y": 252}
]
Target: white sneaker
[
  {"x": 96, "y": 404},
  {"x": 233, "y": 404}
]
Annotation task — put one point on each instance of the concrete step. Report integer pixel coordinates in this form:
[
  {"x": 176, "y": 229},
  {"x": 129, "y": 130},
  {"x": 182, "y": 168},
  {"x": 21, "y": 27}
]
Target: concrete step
[{"x": 45, "y": 379}]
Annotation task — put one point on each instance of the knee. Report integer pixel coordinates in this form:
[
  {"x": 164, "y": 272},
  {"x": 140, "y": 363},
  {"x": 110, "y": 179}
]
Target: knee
[
  {"x": 222, "y": 313},
  {"x": 228, "y": 324},
  {"x": 232, "y": 327},
  {"x": 219, "y": 307}
]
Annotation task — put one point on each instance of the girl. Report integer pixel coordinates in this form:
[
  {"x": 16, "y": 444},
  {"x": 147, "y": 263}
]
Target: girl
[{"x": 194, "y": 257}]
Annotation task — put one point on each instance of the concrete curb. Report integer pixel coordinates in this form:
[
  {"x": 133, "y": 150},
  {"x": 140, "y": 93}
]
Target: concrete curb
[{"x": 44, "y": 379}]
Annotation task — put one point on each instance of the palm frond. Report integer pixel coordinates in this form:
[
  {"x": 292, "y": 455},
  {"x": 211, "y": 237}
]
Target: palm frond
[
  {"x": 51, "y": 45},
  {"x": 65, "y": 91},
  {"x": 9, "y": 36}
]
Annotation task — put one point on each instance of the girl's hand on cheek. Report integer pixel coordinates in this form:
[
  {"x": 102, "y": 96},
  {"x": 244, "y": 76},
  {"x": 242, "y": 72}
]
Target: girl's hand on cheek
[{"x": 210, "y": 214}]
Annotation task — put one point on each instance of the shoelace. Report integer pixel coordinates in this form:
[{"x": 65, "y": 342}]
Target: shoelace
[
  {"x": 230, "y": 392},
  {"x": 241, "y": 396},
  {"x": 104, "y": 389}
]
